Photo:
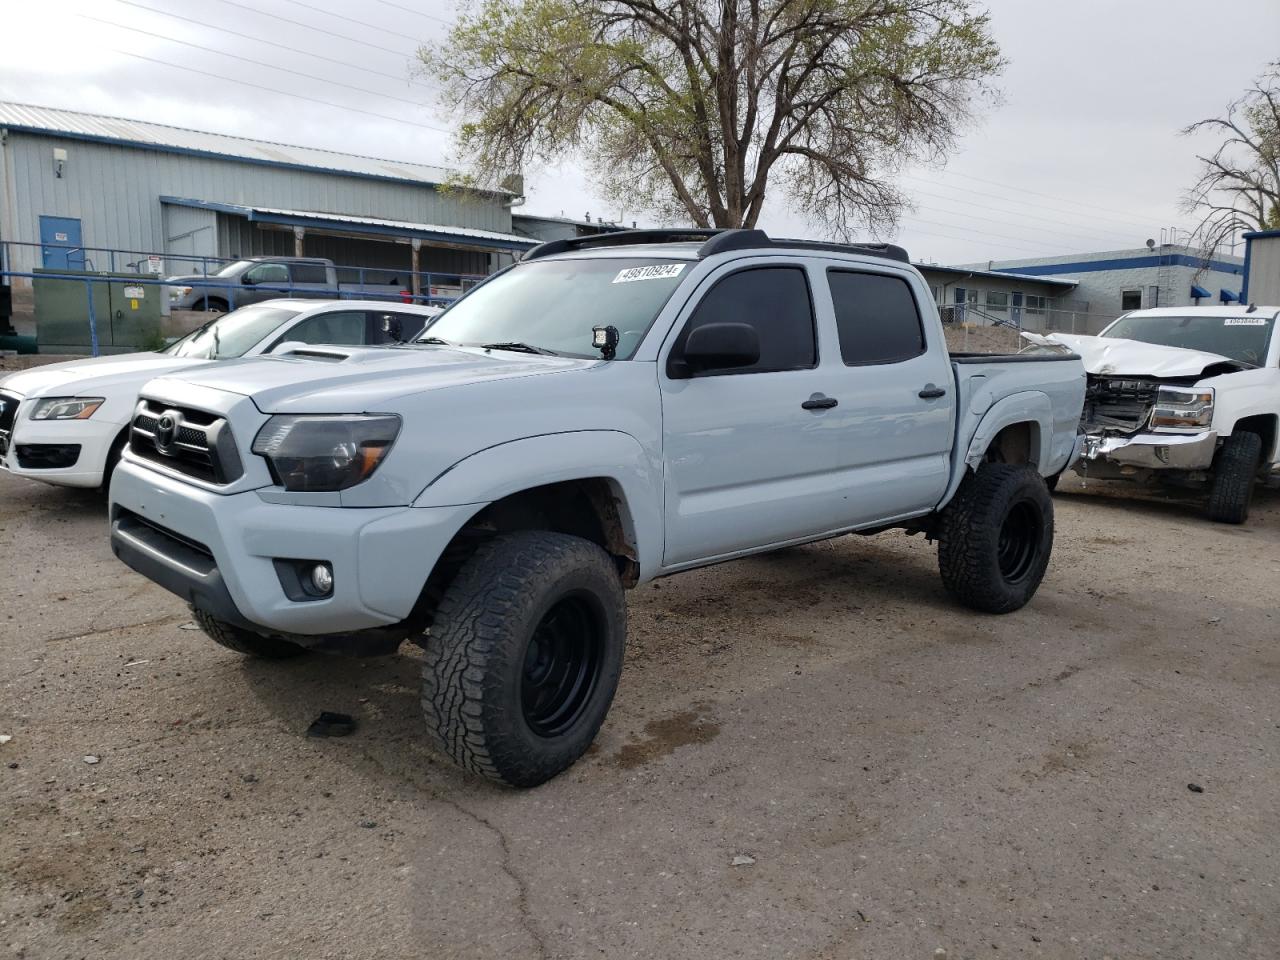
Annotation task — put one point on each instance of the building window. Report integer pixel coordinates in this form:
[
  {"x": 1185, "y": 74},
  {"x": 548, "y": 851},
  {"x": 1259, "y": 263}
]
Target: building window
[
  {"x": 1131, "y": 300},
  {"x": 997, "y": 300},
  {"x": 1037, "y": 304}
]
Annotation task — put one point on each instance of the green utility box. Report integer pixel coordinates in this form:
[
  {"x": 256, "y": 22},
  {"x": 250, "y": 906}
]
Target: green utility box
[{"x": 126, "y": 312}]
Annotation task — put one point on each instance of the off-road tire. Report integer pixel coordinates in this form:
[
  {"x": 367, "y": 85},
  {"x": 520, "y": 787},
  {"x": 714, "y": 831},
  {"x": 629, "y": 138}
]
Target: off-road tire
[
  {"x": 1235, "y": 470},
  {"x": 475, "y": 667},
  {"x": 245, "y": 641},
  {"x": 978, "y": 567}
]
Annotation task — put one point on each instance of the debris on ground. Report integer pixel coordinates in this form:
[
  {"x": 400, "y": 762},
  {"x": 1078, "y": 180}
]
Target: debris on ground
[
  {"x": 189, "y": 625},
  {"x": 90, "y": 759},
  {"x": 5, "y": 737},
  {"x": 368, "y": 824},
  {"x": 1195, "y": 788},
  {"x": 330, "y": 724},
  {"x": 742, "y": 860}
]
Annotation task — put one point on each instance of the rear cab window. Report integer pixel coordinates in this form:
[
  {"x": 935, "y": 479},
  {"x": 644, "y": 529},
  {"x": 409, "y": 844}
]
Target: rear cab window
[{"x": 877, "y": 317}]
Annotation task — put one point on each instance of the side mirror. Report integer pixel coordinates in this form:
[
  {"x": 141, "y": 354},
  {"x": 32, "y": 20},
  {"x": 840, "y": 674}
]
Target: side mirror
[
  {"x": 248, "y": 280},
  {"x": 392, "y": 328},
  {"x": 721, "y": 346}
]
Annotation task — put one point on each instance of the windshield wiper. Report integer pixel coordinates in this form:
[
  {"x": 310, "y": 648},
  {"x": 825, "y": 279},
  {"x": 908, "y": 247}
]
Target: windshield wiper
[
  {"x": 434, "y": 340},
  {"x": 519, "y": 347}
]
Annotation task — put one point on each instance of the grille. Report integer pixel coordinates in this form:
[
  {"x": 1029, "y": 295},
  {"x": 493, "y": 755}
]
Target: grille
[
  {"x": 8, "y": 412},
  {"x": 1115, "y": 405},
  {"x": 196, "y": 443}
]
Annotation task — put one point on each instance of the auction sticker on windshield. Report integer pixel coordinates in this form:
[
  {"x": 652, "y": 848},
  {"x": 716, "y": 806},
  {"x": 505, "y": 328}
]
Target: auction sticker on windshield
[
  {"x": 655, "y": 271},
  {"x": 1246, "y": 322}
]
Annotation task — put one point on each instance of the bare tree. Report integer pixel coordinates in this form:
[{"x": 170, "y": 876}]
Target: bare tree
[
  {"x": 693, "y": 109},
  {"x": 1239, "y": 184}
]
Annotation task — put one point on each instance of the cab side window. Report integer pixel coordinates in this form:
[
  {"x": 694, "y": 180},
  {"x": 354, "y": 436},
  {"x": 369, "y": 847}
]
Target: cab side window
[
  {"x": 275, "y": 273},
  {"x": 774, "y": 300},
  {"x": 309, "y": 273},
  {"x": 340, "y": 327},
  {"x": 876, "y": 316}
]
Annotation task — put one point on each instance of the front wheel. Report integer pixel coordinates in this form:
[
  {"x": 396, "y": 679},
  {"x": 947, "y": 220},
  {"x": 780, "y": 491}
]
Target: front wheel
[
  {"x": 995, "y": 537},
  {"x": 524, "y": 655},
  {"x": 1235, "y": 470}
]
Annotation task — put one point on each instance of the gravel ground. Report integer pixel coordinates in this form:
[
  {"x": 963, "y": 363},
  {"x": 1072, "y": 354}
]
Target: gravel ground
[{"x": 891, "y": 775}]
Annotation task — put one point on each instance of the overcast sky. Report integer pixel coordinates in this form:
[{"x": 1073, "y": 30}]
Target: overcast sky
[{"x": 1083, "y": 154}]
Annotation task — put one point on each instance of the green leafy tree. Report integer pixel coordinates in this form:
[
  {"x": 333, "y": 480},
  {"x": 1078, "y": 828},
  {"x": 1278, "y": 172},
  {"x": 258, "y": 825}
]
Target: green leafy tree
[
  {"x": 1239, "y": 184},
  {"x": 694, "y": 109}
]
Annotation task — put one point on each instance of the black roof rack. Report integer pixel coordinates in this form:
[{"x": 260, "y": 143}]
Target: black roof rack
[{"x": 712, "y": 242}]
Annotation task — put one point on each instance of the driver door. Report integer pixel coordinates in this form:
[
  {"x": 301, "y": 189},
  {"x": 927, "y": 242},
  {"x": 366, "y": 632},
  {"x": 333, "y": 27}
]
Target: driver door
[{"x": 743, "y": 460}]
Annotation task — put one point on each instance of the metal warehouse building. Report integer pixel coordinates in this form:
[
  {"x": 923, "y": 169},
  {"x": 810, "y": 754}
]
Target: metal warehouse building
[{"x": 76, "y": 186}]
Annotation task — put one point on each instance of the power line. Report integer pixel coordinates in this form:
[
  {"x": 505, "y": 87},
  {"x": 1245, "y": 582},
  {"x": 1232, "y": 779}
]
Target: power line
[
  {"x": 278, "y": 46},
  {"x": 256, "y": 63},
  {"x": 1057, "y": 248},
  {"x": 1075, "y": 236},
  {"x": 416, "y": 13},
  {"x": 1041, "y": 206},
  {"x": 338, "y": 16},
  {"x": 285, "y": 93},
  {"x": 1047, "y": 196},
  {"x": 983, "y": 205},
  {"x": 307, "y": 26}
]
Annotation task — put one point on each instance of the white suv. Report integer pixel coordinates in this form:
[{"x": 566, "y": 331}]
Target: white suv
[{"x": 66, "y": 423}]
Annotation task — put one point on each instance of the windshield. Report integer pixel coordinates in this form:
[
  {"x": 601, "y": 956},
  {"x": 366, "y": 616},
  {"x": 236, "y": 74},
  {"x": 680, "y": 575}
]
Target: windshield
[
  {"x": 553, "y": 304},
  {"x": 232, "y": 333},
  {"x": 1243, "y": 338}
]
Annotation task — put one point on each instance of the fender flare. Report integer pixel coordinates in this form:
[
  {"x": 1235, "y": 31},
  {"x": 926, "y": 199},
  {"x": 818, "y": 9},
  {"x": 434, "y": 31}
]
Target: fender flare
[
  {"x": 1028, "y": 406},
  {"x": 517, "y": 465}
]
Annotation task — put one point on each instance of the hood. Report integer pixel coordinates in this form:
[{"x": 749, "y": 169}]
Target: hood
[
  {"x": 81, "y": 377},
  {"x": 1133, "y": 358},
  {"x": 179, "y": 281},
  {"x": 358, "y": 379}
]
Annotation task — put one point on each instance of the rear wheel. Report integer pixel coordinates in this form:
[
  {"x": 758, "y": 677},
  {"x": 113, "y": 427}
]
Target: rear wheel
[
  {"x": 1235, "y": 471},
  {"x": 523, "y": 656},
  {"x": 245, "y": 641},
  {"x": 995, "y": 537}
]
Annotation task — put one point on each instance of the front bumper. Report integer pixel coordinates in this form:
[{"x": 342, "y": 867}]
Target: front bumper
[
  {"x": 93, "y": 437},
  {"x": 1152, "y": 451},
  {"x": 216, "y": 551}
]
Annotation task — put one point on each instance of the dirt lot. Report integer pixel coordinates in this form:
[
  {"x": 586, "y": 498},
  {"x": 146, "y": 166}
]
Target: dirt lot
[{"x": 904, "y": 776}]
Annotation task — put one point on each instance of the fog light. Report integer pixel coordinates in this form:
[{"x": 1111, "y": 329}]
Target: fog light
[{"x": 322, "y": 578}]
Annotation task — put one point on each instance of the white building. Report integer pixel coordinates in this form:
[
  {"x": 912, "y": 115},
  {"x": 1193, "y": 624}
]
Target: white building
[{"x": 1116, "y": 281}]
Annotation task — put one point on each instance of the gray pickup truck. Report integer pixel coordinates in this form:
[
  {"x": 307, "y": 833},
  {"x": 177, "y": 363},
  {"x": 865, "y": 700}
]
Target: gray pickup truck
[
  {"x": 609, "y": 410},
  {"x": 255, "y": 279}
]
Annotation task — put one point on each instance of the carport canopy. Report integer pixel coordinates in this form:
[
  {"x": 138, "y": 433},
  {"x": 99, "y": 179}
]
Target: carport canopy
[{"x": 343, "y": 225}]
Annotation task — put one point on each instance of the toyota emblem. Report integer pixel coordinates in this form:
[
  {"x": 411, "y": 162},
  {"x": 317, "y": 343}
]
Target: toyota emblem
[{"x": 166, "y": 432}]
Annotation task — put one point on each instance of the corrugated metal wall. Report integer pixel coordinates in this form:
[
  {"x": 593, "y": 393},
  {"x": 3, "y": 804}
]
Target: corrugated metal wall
[{"x": 115, "y": 191}]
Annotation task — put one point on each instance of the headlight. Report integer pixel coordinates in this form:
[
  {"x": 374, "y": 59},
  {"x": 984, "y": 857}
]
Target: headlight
[
  {"x": 313, "y": 453},
  {"x": 1182, "y": 409},
  {"x": 66, "y": 408}
]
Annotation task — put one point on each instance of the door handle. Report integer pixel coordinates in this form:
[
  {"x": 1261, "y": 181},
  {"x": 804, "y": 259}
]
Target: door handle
[
  {"x": 930, "y": 392},
  {"x": 819, "y": 402}
]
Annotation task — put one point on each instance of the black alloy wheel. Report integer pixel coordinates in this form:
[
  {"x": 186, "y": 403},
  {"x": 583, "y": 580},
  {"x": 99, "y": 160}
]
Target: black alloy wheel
[{"x": 561, "y": 666}]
